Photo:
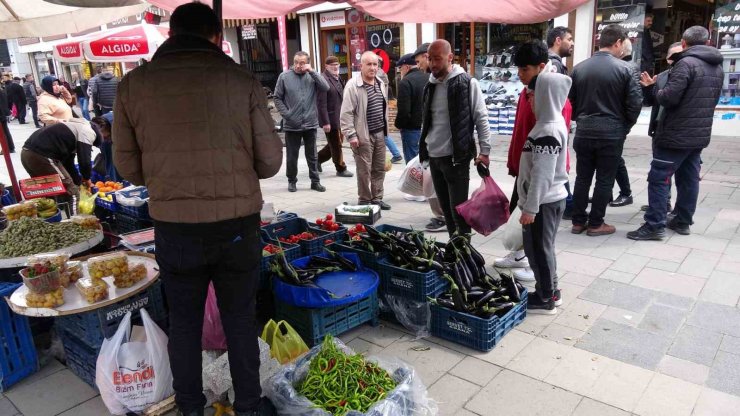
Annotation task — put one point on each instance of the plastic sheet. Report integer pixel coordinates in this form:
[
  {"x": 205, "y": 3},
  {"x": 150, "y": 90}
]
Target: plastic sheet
[
  {"x": 409, "y": 398},
  {"x": 414, "y": 316},
  {"x": 513, "y": 238}
]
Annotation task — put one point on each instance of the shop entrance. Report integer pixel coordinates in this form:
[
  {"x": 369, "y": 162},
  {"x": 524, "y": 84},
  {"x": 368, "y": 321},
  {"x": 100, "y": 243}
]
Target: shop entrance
[{"x": 334, "y": 42}]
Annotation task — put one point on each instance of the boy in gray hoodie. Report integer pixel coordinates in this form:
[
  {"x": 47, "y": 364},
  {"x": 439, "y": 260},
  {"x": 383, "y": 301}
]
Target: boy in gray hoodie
[{"x": 542, "y": 176}]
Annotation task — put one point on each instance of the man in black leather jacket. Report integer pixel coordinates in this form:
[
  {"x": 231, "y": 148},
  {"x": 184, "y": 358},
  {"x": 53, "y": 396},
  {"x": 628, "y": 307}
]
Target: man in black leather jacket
[
  {"x": 688, "y": 98},
  {"x": 606, "y": 101}
]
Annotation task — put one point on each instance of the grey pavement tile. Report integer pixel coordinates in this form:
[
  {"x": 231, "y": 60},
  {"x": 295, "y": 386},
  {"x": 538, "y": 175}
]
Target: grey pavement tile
[
  {"x": 699, "y": 263},
  {"x": 728, "y": 264},
  {"x": 50, "y": 367},
  {"x": 561, "y": 334},
  {"x": 725, "y": 373},
  {"x": 668, "y": 266},
  {"x": 475, "y": 371},
  {"x": 696, "y": 344},
  {"x": 618, "y": 295},
  {"x": 674, "y": 301},
  {"x": 616, "y": 276},
  {"x": 51, "y": 395},
  {"x": 6, "y": 406},
  {"x": 430, "y": 363},
  {"x": 722, "y": 288},
  {"x": 685, "y": 370},
  {"x": 665, "y": 252},
  {"x": 715, "y": 403},
  {"x": 668, "y": 396},
  {"x": 730, "y": 344},
  {"x": 718, "y": 318},
  {"x": 361, "y": 346},
  {"x": 624, "y": 343},
  {"x": 699, "y": 242},
  {"x": 589, "y": 407},
  {"x": 92, "y": 407},
  {"x": 382, "y": 335},
  {"x": 719, "y": 228},
  {"x": 675, "y": 283},
  {"x": 622, "y": 316},
  {"x": 583, "y": 264},
  {"x": 451, "y": 393},
  {"x": 630, "y": 263},
  {"x": 663, "y": 320},
  {"x": 511, "y": 394},
  {"x": 577, "y": 279},
  {"x": 578, "y": 371},
  {"x": 538, "y": 358},
  {"x": 621, "y": 385},
  {"x": 580, "y": 314}
]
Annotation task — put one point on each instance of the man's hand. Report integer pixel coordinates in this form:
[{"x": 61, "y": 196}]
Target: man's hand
[
  {"x": 482, "y": 159},
  {"x": 88, "y": 183},
  {"x": 307, "y": 68},
  {"x": 327, "y": 128},
  {"x": 526, "y": 219},
  {"x": 646, "y": 80},
  {"x": 354, "y": 142}
]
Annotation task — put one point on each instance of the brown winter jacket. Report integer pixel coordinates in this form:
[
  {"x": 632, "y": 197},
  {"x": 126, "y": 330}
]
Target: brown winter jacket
[{"x": 199, "y": 147}]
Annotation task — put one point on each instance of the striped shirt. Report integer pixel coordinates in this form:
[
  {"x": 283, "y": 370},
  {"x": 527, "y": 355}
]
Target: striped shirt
[{"x": 375, "y": 107}]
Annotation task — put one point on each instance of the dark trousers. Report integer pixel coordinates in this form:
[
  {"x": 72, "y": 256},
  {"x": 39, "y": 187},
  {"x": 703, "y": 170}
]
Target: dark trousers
[
  {"x": 451, "y": 183},
  {"x": 623, "y": 179},
  {"x": 686, "y": 165},
  {"x": 568, "y": 199},
  {"x": 8, "y": 136},
  {"x": 21, "y": 107},
  {"x": 190, "y": 256},
  {"x": 514, "y": 200},
  {"x": 333, "y": 150},
  {"x": 35, "y": 112},
  {"x": 539, "y": 246},
  {"x": 293, "y": 145},
  {"x": 599, "y": 157},
  {"x": 410, "y": 143}
]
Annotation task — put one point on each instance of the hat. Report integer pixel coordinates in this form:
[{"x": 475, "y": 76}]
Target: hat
[
  {"x": 423, "y": 48},
  {"x": 407, "y": 59},
  {"x": 331, "y": 60}
]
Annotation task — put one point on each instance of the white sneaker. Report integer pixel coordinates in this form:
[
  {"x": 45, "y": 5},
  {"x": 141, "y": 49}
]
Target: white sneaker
[
  {"x": 414, "y": 198},
  {"x": 515, "y": 259},
  {"x": 524, "y": 275}
]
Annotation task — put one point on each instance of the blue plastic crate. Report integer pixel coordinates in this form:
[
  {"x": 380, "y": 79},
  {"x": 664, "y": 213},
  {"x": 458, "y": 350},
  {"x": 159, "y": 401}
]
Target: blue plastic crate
[
  {"x": 314, "y": 323},
  {"x": 409, "y": 284},
  {"x": 141, "y": 212},
  {"x": 17, "y": 353},
  {"x": 81, "y": 358},
  {"x": 94, "y": 326},
  {"x": 291, "y": 251},
  {"x": 475, "y": 332},
  {"x": 281, "y": 216},
  {"x": 128, "y": 224},
  {"x": 293, "y": 226},
  {"x": 8, "y": 198},
  {"x": 110, "y": 206}
]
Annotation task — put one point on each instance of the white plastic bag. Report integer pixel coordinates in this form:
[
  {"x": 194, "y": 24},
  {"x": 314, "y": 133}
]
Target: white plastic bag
[
  {"x": 132, "y": 376},
  {"x": 427, "y": 184},
  {"x": 513, "y": 239},
  {"x": 411, "y": 179}
]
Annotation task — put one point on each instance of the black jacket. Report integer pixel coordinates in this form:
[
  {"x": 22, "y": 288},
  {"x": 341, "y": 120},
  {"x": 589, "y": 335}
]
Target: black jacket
[
  {"x": 329, "y": 103},
  {"x": 411, "y": 100},
  {"x": 16, "y": 95},
  {"x": 29, "y": 88},
  {"x": 4, "y": 110},
  {"x": 693, "y": 89},
  {"x": 657, "y": 114},
  {"x": 104, "y": 90},
  {"x": 58, "y": 142},
  {"x": 606, "y": 97},
  {"x": 647, "y": 55},
  {"x": 557, "y": 63}
]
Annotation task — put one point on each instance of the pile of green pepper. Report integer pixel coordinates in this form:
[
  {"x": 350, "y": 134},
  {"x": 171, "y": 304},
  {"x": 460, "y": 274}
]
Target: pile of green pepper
[{"x": 339, "y": 383}]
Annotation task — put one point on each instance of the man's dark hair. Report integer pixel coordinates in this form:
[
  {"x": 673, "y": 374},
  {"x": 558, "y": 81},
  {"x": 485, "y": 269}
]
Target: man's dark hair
[
  {"x": 557, "y": 32},
  {"x": 195, "y": 19},
  {"x": 533, "y": 53},
  {"x": 650, "y": 15},
  {"x": 610, "y": 35},
  {"x": 16, "y": 79},
  {"x": 696, "y": 35}
]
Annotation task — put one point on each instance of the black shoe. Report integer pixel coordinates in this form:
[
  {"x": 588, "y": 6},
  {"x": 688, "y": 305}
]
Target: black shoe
[
  {"x": 682, "y": 229},
  {"x": 645, "y": 233},
  {"x": 292, "y": 187},
  {"x": 382, "y": 205},
  {"x": 435, "y": 225},
  {"x": 345, "y": 174},
  {"x": 318, "y": 187},
  {"x": 266, "y": 408},
  {"x": 644, "y": 207},
  {"x": 396, "y": 159},
  {"x": 621, "y": 201},
  {"x": 197, "y": 412},
  {"x": 536, "y": 305}
]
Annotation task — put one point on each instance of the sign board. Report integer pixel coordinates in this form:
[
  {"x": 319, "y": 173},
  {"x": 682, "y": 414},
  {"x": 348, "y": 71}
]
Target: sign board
[
  {"x": 42, "y": 186},
  {"x": 283, "y": 40},
  {"x": 332, "y": 19},
  {"x": 727, "y": 22},
  {"x": 137, "y": 18},
  {"x": 249, "y": 32}
]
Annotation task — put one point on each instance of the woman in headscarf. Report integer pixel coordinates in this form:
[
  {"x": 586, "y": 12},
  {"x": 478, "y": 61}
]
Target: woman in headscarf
[{"x": 54, "y": 103}]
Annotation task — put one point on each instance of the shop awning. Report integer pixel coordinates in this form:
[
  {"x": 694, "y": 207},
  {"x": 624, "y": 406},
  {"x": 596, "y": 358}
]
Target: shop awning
[{"x": 409, "y": 11}]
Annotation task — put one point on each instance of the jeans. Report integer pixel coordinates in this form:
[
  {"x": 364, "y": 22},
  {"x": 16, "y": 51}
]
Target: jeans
[
  {"x": 539, "y": 246},
  {"x": 686, "y": 165},
  {"x": 623, "y": 179},
  {"x": 333, "y": 150},
  {"x": 391, "y": 145},
  {"x": 35, "y": 112},
  {"x": 410, "y": 142},
  {"x": 600, "y": 157},
  {"x": 451, "y": 183},
  {"x": 293, "y": 145},
  {"x": 82, "y": 102},
  {"x": 190, "y": 256}
]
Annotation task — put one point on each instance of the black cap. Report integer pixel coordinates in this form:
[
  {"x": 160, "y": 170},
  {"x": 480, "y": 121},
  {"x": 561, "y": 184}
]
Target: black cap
[
  {"x": 423, "y": 48},
  {"x": 407, "y": 59}
]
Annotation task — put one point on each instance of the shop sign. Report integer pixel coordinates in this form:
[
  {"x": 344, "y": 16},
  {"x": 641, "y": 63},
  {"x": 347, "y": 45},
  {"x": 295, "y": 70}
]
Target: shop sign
[
  {"x": 69, "y": 50},
  {"x": 727, "y": 19},
  {"x": 332, "y": 19},
  {"x": 249, "y": 32},
  {"x": 283, "y": 41},
  {"x": 28, "y": 41},
  {"x": 632, "y": 18},
  {"x": 137, "y": 18}
]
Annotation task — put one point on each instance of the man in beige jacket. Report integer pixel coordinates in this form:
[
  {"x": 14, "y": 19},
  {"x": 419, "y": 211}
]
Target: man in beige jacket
[
  {"x": 364, "y": 122},
  {"x": 201, "y": 149}
]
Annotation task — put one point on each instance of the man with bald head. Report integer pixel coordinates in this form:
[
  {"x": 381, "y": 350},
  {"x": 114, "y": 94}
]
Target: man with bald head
[
  {"x": 453, "y": 109},
  {"x": 364, "y": 122}
]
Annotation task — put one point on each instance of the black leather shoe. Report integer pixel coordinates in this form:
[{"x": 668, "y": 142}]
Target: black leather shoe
[
  {"x": 646, "y": 233},
  {"x": 345, "y": 174},
  {"x": 621, "y": 201},
  {"x": 382, "y": 205},
  {"x": 679, "y": 228},
  {"x": 318, "y": 166},
  {"x": 318, "y": 187},
  {"x": 292, "y": 187},
  {"x": 266, "y": 408}
]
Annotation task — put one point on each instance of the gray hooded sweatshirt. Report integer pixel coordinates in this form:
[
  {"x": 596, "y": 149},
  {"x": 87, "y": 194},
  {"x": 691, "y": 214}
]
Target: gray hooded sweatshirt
[{"x": 542, "y": 174}]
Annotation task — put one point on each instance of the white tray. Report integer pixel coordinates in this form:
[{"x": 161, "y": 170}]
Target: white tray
[{"x": 72, "y": 250}]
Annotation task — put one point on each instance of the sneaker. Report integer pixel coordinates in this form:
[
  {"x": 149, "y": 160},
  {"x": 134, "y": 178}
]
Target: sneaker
[
  {"x": 603, "y": 229},
  {"x": 621, "y": 201},
  {"x": 513, "y": 260},
  {"x": 345, "y": 174},
  {"x": 397, "y": 159},
  {"x": 679, "y": 228},
  {"x": 646, "y": 233},
  {"x": 524, "y": 275},
  {"x": 436, "y": 225},
  {"x": 556, "y": 299},
  {"x": 292, "y": 187},
  {"x": 538, "y": 306},
  {"x": 318, "y": 187},
  {"x": 577, "y": 229},
  {"x": 414, "y": 198},
  {"x": 382, "y": 205}
]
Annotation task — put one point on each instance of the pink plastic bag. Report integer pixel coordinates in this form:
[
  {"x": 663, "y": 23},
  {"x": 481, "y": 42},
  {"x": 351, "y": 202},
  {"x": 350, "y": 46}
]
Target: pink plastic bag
[
  {"x": 488, "y": 207},
  {"x": 213, "y": 332}
]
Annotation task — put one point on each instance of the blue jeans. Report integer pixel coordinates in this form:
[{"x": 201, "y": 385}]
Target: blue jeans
[
  {"x": 392, "y": 146},
  {"x": 686, "y": 165},
  {"x": 82, "y": 102},
  {"x": 410, "y": 142}
]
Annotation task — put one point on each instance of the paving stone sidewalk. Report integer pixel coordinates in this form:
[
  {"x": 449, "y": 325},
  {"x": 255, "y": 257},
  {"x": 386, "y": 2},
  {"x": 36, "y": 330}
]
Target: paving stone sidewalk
[{"x": 647, "y": 328}]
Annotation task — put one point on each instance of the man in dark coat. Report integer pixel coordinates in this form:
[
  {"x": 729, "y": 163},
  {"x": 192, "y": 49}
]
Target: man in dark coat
[
  {"x": 4, "y": 114},
  {"x": 17, "y": 96},
  {"x": 329, "y": 106},
  {"x": 688, "y": 99},
  {"x": 410, "y": 101},
  {"x": 29, "y": 88}
]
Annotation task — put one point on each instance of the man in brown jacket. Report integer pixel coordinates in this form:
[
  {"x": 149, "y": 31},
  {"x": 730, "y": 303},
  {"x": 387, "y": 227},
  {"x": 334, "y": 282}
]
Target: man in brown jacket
[
  {"x": 201, "y": 150},
  {"x": 328, "y": 105}
]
